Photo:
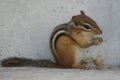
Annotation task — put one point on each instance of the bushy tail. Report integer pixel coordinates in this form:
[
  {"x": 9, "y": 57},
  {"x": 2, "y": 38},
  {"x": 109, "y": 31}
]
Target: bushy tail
[{"x": 21, "y": 62}]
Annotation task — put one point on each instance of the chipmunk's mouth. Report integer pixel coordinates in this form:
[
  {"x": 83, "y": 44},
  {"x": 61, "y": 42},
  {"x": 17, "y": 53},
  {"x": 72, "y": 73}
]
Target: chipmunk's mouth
[{"x": 97, "y": 39}]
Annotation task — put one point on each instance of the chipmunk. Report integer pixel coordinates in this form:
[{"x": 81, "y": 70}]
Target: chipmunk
[{"x": 67, "y": 42}]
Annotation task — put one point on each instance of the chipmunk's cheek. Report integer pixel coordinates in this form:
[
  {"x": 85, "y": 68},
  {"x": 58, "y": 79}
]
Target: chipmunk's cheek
[{"x": 89, "y": 40}]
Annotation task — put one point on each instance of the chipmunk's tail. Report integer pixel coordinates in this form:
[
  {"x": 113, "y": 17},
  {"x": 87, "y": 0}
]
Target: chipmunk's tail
[{"x": 21, "y": 62}]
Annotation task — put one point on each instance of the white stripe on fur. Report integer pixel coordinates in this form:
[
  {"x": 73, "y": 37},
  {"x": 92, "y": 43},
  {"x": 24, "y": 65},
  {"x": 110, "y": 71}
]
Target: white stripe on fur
[{"x": 54, "y": 38}]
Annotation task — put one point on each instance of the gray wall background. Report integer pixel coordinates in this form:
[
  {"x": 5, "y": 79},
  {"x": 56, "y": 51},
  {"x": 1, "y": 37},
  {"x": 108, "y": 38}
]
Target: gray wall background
[{"x": 25, "y": 26}]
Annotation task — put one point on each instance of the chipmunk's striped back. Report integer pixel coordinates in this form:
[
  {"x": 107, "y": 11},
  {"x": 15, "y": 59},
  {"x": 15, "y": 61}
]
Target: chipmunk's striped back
[{"x": 57, "y": 32}]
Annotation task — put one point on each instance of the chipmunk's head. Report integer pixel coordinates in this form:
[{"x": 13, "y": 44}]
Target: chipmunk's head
[{"x": 84, "y": 29}]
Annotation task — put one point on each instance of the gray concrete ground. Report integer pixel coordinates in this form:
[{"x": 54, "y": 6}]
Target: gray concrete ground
[{"x": 33, "y": 73}]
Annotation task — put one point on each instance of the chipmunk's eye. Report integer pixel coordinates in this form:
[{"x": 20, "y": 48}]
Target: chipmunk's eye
[{"x": 87, "y": 26}]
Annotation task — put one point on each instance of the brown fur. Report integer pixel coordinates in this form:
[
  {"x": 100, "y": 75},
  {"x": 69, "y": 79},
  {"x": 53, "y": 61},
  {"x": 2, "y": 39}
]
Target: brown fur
[
  {"x": 65, "y": 50},
  {"x": 83, "y": 18}
]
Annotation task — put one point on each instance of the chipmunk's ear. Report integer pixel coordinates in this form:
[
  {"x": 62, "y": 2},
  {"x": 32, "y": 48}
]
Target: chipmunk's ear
[{"x": 82, "y": 12}]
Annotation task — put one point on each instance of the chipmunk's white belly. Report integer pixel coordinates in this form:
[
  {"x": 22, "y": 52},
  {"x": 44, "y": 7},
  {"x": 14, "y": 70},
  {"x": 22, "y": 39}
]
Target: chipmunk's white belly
[
  {"x": 82, "y": 55},
  {"x": 78, "y": 55}
]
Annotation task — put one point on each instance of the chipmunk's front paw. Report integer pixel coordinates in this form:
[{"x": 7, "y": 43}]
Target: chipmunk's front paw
[
  {"x": 99, "y": 63},
  {"x": 98, "y": 40}
]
